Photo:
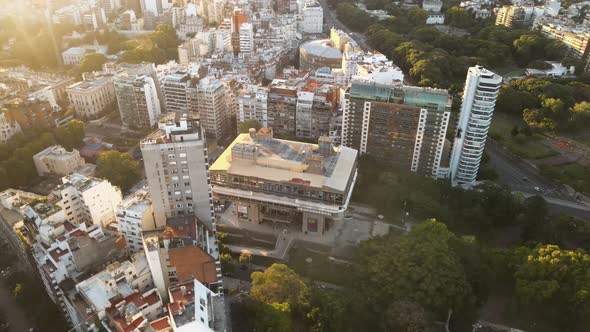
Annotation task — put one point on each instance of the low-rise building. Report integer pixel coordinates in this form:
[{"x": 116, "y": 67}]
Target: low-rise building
[
  {"x": 182, "y": 251},
  {"x": 285, "y": 182},
  {"x": 75, "y": 55},
  {"x": 90, "y": 200},
  {"x": 8, "y": 128},
  {"x": 91, "y": 98},
  {"x": 195, "y": 308},
  {"x": 57, "y": 160},
  {"x": 135, "y": 215}
]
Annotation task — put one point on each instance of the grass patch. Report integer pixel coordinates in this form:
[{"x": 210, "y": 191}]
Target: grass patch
[
  {"x": 574, "y": 175},
  {"x": 248, "y": 242},
  {"x": 320, "y": 268},
  {"x": 530, "y": 147}
]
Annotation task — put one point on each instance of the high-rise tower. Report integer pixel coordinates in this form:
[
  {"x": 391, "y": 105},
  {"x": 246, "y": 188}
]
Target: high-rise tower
[{"x": 479, "y": 99}]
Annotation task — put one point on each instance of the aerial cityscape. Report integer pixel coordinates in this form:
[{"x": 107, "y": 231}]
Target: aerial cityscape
[{"x": 294, "y": 165}]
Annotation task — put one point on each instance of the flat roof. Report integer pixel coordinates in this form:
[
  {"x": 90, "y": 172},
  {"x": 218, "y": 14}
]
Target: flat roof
[{"x": 287, "y": 161}]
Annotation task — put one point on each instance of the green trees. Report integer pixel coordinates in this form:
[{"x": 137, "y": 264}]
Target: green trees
[
  {"x": 92, "y": 62},
  {"x": 157, "y": 47},
  {"x": 550, "y": 282},
  {"x": 533, "y": 46},
  {"x": 226, "y": 263},
  {"x": 279, "y": 285},
  {"x": 546, "y": 104},
  {"x": 277, "y": 296},
  {"x": 244, "y": 127},
  {"x": 424, "y": 271},
  {"x": 459, "y": 17},
  {"x": 71, "y": 135},
  {"x": 16, "y": 156},
  {"x": 353, "y": 17},
  {"x": 119, "y": 168}
]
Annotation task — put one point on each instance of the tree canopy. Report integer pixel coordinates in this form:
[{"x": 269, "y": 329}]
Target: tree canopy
[
  {"x": 388, "y": 271},
  {"x": 279, "y": 285},
  {"x": 92, "y": 62},
  {"x": 119, "y": 168}
]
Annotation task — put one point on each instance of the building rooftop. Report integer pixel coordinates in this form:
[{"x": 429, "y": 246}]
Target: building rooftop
[
  {"x": 81, "y": 182},
  {"x": 322, "y": 48},
  {"x": 101, "y": 288},
  {"x": 438, "y": 99},
  {"x": 193, "y": 263},
  {"x": 173, "y": 127},
  {"x": 262, "y": 156},
  {"x": 56, "y": 152},
  {"x": 138, "y": 201},
  {"x": 84, "y": 86}
]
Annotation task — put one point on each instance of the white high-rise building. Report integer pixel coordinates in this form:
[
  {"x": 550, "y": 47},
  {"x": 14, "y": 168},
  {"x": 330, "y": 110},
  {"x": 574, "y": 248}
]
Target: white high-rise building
[
  {"x": 137, "y": 96},
  {"x": 246, "y": 38},
  {"x": 253, "y": 105},
  {"x": 479, "y": 100},
  {"x": 312, "y": 17},
  {"x": 151, "y": 6},
  {"x": 135, "y": 215},
  {"x": 214, "y": 107},
  {"x": 175, "y": 159}
]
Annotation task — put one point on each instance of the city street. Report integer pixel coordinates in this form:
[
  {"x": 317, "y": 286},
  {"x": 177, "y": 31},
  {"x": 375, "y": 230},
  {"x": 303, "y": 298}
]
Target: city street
[
  {"x": 523, "y": 177},
  {"x": 330, "y": 20}
]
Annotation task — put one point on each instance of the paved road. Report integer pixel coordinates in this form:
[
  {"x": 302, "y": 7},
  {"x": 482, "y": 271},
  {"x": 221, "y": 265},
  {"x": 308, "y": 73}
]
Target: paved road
[
  {"x": 523, "y": 177},
  {"x": 331, "y": 21}
]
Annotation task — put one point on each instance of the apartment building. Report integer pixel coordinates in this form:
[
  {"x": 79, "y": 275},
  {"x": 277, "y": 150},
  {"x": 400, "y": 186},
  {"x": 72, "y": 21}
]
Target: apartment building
[
  {"x": 317, "y": 103},
  {"x": 194, "y": 307},
  {"x": 312, "y": 16},
  {"x": 90, "y": 200},
  {"x": 282, "y": 107},
  {"x": 57, "y": 160},
  {"x": 137, "y": 97},
  {"x": 177, "y": 90},
  {"x": 283, "y": 182},
  {"x": 575, "y": 37},
  {"x": 73, "y": 254},
  {"x": 246, "y": 32},
  {"x": 176, "y": 168},
  {"x": 214, "y": 108},
  {"x": 135, "y": 215},
  {"x": 182, "y": 251},
  {"x": 8, "y": 128},
  {"x": 516, "y": 16},
  {"x": 253, "y": 104},
  {"x": 91, "y": 98},
  {"x": 479, "y": 100},
  {"x": 404, "y": 126}
]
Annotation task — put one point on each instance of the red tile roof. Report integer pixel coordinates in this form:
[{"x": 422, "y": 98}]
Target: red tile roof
[
  {"x": 193, "y": 263},
  {"x": 161, "y": 324}
]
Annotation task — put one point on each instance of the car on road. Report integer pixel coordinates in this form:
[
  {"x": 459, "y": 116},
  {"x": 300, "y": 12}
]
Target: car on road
[
  {"x": 524, "y": 178},
  {"x": 537, "y": 189}
]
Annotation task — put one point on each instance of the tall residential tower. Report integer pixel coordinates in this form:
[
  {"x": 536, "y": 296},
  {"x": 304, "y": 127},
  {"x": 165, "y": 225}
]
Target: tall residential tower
[
  {"x": 479, "y": 99},
  {"x": 176, "y": 168},
  {"x": 404, "y": 126}
]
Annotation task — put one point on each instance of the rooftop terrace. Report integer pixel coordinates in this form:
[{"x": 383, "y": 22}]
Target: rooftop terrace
[{"x": 262, "y": 156}]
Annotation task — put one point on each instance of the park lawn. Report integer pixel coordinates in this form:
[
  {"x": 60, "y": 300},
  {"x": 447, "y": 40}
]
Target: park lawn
[
  {"x": 320, "y": 268},
  {"x": 574, "y": 175},
  {"x": 525, "y": 147}
]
